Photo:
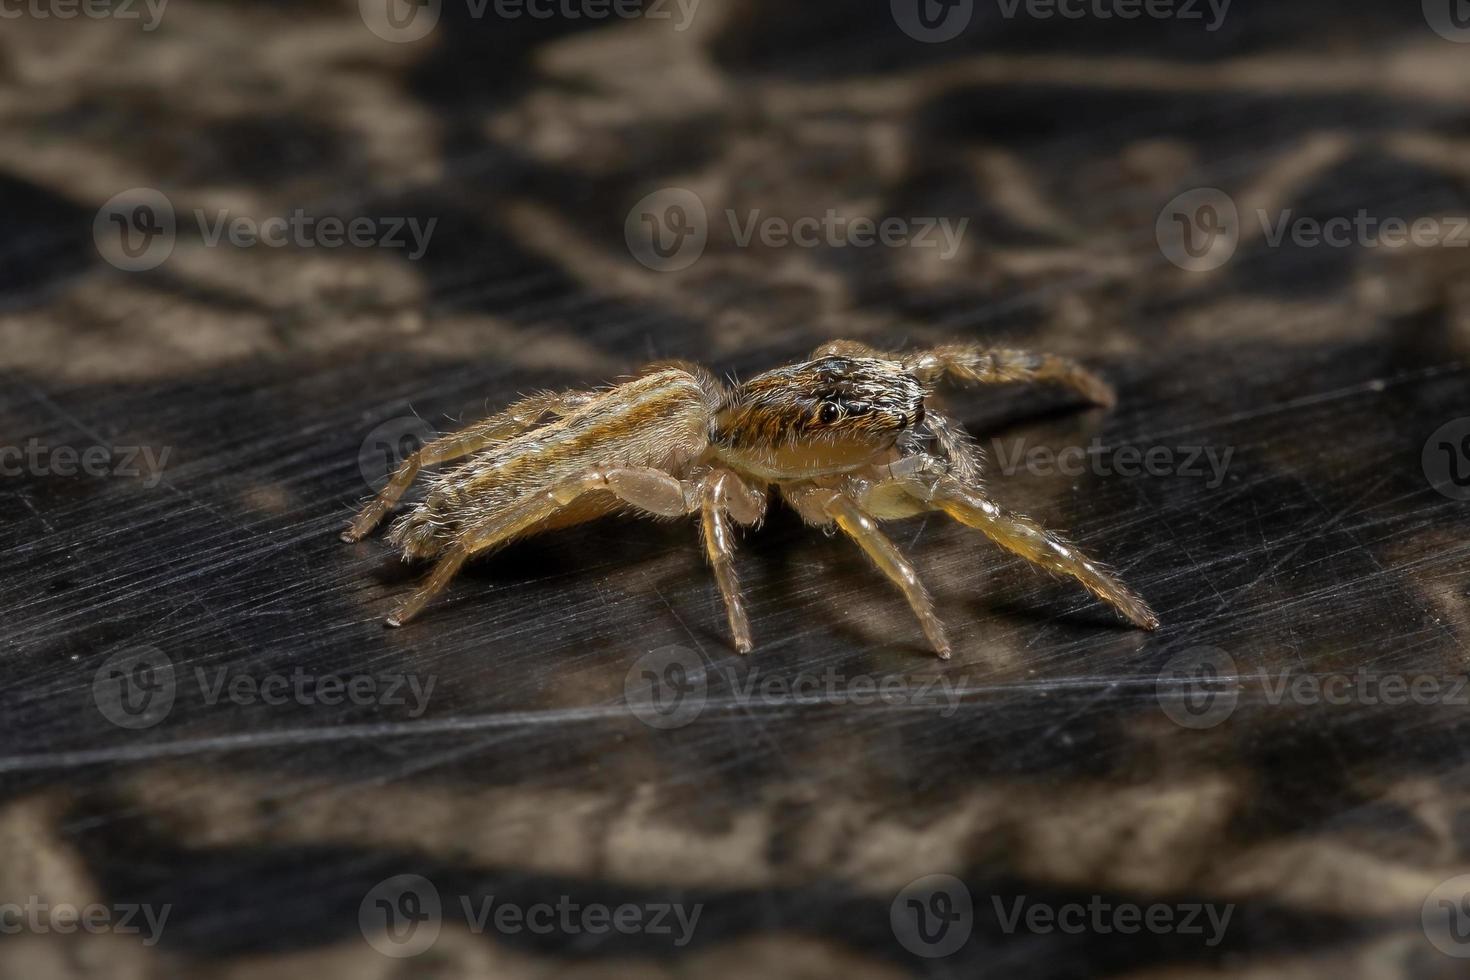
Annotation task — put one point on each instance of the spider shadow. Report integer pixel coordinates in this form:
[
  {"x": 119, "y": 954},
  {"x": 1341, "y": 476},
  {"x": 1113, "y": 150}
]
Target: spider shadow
[
  {"x": 558, "y": 554},
  {"x": 823, "y": 581},
  {"x": 1044, "y": 614}
]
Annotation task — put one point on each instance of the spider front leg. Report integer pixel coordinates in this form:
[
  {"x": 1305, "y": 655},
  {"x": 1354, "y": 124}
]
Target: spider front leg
[
  {"x": 984, "y": 365},
  {"x": 645, "y": 488},
  {"x": 724, "y": 495},
  {"x": 817, "y": 503},
  {"x": 931, "y": 488},
  {"x": 520, "y": 416}
]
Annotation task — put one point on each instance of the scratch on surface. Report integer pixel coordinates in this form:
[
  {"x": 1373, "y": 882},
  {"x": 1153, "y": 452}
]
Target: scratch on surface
[
  {"x": 761, "y": 732},
  {"x": 919, "y": 533},
  {"x": 50, "y": 529},
  {"x": 1371, "y": 386},
  {"x": 296, "y": 737}
]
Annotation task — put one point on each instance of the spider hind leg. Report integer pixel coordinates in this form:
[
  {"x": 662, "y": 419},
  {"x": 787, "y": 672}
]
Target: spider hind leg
[
  {"x": 644, "y": 488},
  {"x": 523, "y": 415}
]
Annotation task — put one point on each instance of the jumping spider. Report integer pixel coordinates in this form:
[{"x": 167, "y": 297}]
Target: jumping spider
[{"x": 845, "y": 437}]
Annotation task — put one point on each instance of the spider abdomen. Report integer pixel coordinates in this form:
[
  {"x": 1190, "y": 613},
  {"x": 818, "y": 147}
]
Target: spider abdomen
[{"x": 658, "y": 420}]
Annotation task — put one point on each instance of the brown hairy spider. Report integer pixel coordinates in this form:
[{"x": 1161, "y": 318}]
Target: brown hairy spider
[{"x": 845, "y": 437}]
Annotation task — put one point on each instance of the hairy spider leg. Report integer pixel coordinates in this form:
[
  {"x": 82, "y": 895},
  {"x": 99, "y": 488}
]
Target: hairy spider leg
[
  {"x": 969, "y": 505},
  {"x": 724, "y": 495},
  {"x": 863, "y": 529},
  {"x": 645, "y": 488},
  {"x": 517, "y": 418},
  {"x": 978, "y": 364}
]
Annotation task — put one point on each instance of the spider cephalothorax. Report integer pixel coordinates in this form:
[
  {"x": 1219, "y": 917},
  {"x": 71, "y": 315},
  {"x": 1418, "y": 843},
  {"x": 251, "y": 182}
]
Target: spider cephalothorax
[
  {"x": 837, "y": 435},
  {"x": 819, "y": 416},
  {"x": 831, "y": 396}
]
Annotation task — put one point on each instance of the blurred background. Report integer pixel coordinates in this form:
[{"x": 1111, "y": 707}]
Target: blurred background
[{"x": 254, "y": 253}]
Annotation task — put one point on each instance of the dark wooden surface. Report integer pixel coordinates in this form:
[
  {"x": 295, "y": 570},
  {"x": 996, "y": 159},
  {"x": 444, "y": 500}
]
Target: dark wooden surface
[{"x": 1060, "y": 774}]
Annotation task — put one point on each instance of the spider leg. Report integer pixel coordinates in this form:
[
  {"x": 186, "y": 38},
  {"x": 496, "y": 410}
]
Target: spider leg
[
  {"x": 851, "y": 348},
  {"x": 1020, "y": 535},
  {"x": 862, "y": 528},
  {"x": 648, "y": 489},
  {"x": 966, "y": 458},
  {"x": 982, "y": 365},
  {"x": 985, "y": 365},
  {"x": 518, "y": 417},
  {"x": 722, "y": 496}
]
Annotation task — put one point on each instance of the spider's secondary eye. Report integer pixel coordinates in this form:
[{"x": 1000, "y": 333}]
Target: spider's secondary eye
[{"x": 828, "y": 413}]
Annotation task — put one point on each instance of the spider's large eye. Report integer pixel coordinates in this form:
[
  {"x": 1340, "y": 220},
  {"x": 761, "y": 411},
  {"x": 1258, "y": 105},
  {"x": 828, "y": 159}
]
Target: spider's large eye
[{"x": 828, "y": 413}]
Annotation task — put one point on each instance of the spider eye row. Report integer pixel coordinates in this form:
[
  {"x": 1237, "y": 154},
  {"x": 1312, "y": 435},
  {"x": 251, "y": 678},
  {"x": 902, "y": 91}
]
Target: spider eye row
[{"x": 834, "y": 408}]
